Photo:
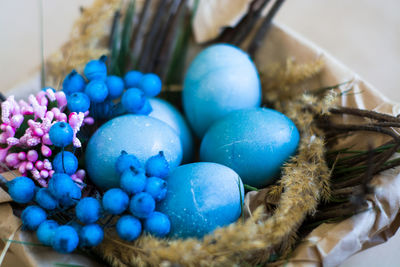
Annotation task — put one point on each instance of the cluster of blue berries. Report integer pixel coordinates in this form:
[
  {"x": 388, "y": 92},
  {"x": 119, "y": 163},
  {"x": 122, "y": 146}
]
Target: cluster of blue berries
[
  {"x": 98, "y": 91},
  {"x": 140, "y": 190}
]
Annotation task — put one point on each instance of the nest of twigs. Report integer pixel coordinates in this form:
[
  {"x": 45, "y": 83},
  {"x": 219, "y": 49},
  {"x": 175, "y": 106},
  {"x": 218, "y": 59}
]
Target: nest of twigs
[{"x": 317, "y": 185}]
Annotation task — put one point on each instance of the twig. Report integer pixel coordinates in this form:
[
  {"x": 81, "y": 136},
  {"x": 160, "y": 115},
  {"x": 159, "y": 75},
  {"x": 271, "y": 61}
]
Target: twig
[
  {"x": 364, "y": 113},
  {"x": 262, "y": 31}
]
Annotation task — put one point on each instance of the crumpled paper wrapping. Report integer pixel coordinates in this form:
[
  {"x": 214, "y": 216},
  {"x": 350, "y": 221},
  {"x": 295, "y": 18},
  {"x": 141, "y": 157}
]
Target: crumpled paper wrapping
[{"x": 328, "y": 244}]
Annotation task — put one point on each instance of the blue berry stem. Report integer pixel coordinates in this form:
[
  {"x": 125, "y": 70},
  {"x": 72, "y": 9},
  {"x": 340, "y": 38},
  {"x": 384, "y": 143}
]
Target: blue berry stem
[{"x": 62, "y": 159}]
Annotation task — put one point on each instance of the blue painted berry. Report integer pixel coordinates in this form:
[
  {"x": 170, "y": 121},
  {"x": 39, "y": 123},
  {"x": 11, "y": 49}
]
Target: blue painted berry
[
  {"x": 132, "y": 79},
  {"x": 133, "y": 100},
  {"x": 65, "y": 239},
  {"x": 61, "y": 134},
  {"x": 142, "y": 205},
  {"x": 78, "y": 102},
  {"x": 157, "y": 166},
  {"x": 91, "y": 235},
  {"x": 156, "y": 187},
  {"x": 126, "y": 161},
  {"x": 45, "y": 199},
  {"x": 65, "y": 162},
  {"x": 88, "y": 210},
  {"x": 97, "y": 91},
  {"x": 157, "y": 224},
  {"x": 73, "y": 82},
  {"x": 96, "y": 69},
  {"x": 146, "y": 109},
  {"x": 45, "y": 232},
  {"x": 102, "y": 110},
  {"x": 150, "y": 84},
  {"x": 21, "y": 189},
  {"x": 115, "y": 201},
  {"x": 32, "y": 217},
  {"x": 64, "y": 189},
  {"x": 115, "y": 86},
  {"x": 133, "y": 181},
  {"x": 128, "y": 228}
]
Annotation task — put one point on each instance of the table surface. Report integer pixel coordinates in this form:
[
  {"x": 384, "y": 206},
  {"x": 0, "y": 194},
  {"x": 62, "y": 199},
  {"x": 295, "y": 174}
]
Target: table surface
[{"x": 363, "y": 34}]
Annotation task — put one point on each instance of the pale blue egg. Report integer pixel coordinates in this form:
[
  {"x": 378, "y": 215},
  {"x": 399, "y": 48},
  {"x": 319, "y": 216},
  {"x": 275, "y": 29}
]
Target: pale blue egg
[
  {"x": 139, "y": 135},
  {"x": 201, "y": 197},
  {"x": 167, "y": 113},
  {"x": 221, "y": 79},
  {"x": 253, "y": 142}
]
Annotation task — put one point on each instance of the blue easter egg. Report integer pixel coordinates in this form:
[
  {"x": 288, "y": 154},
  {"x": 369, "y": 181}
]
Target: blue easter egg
[
  {"x": 253, "y": 142},
  {"x": 201, "y": 197},
  {"x": 139, "y": 135},
  {"x": 21, "y": 189},
  {"x": 65, "y": 239},
  {"x": 221, "y": 79},
  {"x": 167, "y": 113},
  {"x": 45, "y": 232},
  {"x": 65, "y": 162}
]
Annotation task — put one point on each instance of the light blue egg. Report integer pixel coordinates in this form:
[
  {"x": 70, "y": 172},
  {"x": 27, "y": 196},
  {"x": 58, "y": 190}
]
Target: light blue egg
[
  {"x": 221, "y": 79},
  {"x": 167, "y": 113},
  {"x": 201, "y": 197},
  {"x": 253, "y": 142},
  {"x": 139, "y": 135}
]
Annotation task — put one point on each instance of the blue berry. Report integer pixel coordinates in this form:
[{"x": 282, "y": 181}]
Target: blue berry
[
  {"x": 157, "y": 224},
  {"x": 65, "y": 239},
  {"x": 102, "y": 110},
  {"x": 73, "y": 82},
  {"x": 97, "y": 91},
  {"x": 157, "y": 166},
  {"x": 91, "y": 235},
  {"x": 21, "y": 189},
  {"x": 156, "y": 187},
  {"x": 115, "y": 201},
  {"x": 132, "y": 78},
  {"x": 96, "y": 69},
  {"x": 45, "y": 232},
  {"x": 61, "y": 134},
  {"x": 65, "y": 162},
  {"x": 133, "y": 181},
  {"x": 45, "y": 200},
  {"x": 88, "y": 210},
  {"x": 150, "y": 84},
  {"x": 64, "y": 189},
  {"x": 32, "y": 217},
  {"x": 115, "y": 86},
  {"x": 146, "y": 109},
  {"x": 78, "y": 102},
  {"x": 133, "y": 100},
  {"x": 128, "y": 228},
  {"x": 142, "y": 205},
  {"x": 126, "y": 161}
]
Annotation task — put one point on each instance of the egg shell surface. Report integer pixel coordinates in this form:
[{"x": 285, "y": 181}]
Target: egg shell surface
[
  {"x": 253, "y": 142},
  {"x": 221, "y": 79},
  {"x": 139, "y": 135},
  {"x": 201, "y": 197},
  {"x": 167, "y": 113}
]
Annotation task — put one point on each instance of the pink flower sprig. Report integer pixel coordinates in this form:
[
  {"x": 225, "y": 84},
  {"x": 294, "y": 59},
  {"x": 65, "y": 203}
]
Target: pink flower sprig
[{"x": 33, "y": 139}]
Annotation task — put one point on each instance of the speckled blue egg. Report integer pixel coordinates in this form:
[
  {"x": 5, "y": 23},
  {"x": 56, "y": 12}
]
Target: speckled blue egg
[
  {"x": 201, "y": 197},
  {"x": 139, "y": 135},
  {"x": 222, "y": 78},
  {"x": 253, "y": 142},
  {"x": 167, "y": 113}
]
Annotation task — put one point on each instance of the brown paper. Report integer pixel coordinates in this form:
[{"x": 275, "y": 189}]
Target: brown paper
[{"x": 328, "y": 244}]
